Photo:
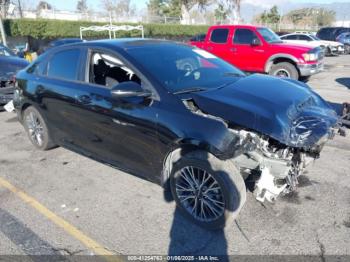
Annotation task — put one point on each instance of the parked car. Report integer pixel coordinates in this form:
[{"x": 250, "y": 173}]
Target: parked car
[
  {"x": 5, "y": 51},
  {"x": 330, "y": 47},
  {"x": 59, "y": 42},
  {"x": 344, "y": 38},
  {"x": 258, "y": 49},
  {"x": 331, "y": 33},
  {"x": 10, "y": 64},
  {"x": 188, "y": 120}
]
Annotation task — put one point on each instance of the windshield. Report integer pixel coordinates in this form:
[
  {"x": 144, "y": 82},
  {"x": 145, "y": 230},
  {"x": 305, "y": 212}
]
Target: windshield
[
  {"x": 314, "y": 37},
  {"x": 4, "y": 51},
  {"x": 181, "y": 68},
  {"x": 269, "y": 35}
]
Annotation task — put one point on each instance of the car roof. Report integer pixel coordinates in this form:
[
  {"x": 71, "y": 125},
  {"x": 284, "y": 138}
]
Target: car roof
[
  {"x": 121, "y": 43},
  {"x": 240, "y": 26}
]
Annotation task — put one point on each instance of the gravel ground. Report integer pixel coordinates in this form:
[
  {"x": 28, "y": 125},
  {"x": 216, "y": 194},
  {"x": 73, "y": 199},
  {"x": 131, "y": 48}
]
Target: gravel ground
[{"x": 128, "y": 215}]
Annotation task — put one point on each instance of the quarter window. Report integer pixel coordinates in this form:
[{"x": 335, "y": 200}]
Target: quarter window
[
  {"x": 219, "y": 35},
  {"x": 244, "y": 36},
  {"x": 65, "y": 65}
]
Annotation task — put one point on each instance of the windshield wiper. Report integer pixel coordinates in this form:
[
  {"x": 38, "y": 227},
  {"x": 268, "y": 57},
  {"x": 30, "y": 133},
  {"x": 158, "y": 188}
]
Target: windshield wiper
[
  {"x": 190, "y": 90},
  {"x": 232, "y": 74}
]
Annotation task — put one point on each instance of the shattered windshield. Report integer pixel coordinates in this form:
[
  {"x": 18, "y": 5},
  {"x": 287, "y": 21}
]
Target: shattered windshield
[{"x": 182, "y": 68}]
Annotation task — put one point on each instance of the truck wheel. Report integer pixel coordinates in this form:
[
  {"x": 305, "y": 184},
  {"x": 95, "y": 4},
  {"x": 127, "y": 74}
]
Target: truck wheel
[
  {"x": 36, "y": 128},
  {"x": 347, "y": 49},
  {"x": 209, "y": 191},
  {"x": 284, "y": 70}
]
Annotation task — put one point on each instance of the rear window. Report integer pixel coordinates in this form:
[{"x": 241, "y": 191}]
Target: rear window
[
  {"x": 64, "y": 65},
  {"x": 219, "y": 35}
]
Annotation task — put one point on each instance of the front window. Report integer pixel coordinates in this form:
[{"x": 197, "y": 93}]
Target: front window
[
  {"x": 108, "y": 71},
  {"x": 180, "y": 68},
  {"x": 244, "y": 36},
  {"x": 269, "y": 35}
]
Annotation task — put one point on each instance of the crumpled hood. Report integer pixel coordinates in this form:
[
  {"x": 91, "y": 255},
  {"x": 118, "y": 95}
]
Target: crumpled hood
[{"x": 286, "y": 110}]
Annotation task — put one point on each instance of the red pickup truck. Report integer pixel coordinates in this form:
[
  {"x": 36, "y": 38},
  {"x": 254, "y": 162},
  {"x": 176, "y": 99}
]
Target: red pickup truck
[{"x": 259, "y": 49}]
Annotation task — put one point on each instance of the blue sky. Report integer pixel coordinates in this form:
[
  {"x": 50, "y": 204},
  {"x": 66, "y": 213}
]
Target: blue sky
[{"x": 71, "y": 4}]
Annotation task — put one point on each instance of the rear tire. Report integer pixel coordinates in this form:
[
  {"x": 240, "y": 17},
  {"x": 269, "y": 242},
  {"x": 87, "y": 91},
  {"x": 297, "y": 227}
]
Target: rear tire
[
  {"x": 208, "y": 191},
  {"x": 36, "y": 129},
  {"x": 284, "y": 70}
]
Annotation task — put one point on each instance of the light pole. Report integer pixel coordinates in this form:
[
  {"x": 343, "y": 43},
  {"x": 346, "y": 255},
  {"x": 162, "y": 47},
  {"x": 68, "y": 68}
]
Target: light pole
[{"x": 2, "y": 31}]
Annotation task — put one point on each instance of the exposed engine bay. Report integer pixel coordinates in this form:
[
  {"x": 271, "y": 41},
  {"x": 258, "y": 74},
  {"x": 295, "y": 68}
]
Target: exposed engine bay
[{"x": 279, "y": 165}]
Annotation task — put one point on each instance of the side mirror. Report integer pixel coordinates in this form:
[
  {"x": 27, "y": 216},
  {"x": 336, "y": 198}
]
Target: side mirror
[
  {"x": 129, "y": 89},
  {"x": 256, "y": 42}
]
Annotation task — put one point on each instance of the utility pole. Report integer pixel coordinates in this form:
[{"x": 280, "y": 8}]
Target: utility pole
[{"x": 2, "y": 32}]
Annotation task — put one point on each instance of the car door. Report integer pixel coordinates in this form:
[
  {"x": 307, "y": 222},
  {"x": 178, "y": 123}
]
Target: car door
[
  {"x": 218, "y": 43},
  {"x": 246, "y": 56},
  {"x": 55, "y": 91},
  {"x": 120, "y": 131}
]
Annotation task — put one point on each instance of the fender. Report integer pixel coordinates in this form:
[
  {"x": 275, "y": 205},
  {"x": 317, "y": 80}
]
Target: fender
[{"x": 269, "y": 62}]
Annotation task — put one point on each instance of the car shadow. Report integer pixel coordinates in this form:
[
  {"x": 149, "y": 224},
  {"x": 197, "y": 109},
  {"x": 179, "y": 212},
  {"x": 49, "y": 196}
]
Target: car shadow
[
  {"x": 188, "y": 239},
  {"x": 345, "y": 81}
]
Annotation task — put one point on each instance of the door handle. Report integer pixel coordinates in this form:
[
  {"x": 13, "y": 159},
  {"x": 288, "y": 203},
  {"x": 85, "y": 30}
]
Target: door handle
[
  {"x": 233, "y": 49},
  {"x": 83, "y": 99},
  {"x": 209, "y": 48}
]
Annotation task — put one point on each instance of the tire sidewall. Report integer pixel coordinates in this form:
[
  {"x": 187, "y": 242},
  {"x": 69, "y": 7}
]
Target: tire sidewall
[
  {"x": 290, "y": 68},
  {"x": 229, "y": 191}
]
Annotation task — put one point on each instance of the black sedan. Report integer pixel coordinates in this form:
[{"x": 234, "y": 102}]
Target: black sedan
[
  {"x": 177, "y": 116},
  {"x": 10, "y": 64}
]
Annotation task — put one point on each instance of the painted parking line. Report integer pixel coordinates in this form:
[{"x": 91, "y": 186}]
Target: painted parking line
[{"x": 70, "y": 229}]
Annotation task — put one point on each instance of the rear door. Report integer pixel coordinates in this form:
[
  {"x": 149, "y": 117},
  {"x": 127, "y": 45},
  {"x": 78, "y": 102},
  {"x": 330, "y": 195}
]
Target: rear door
[
  {"x": 57, "y": 89},
  {"x": 218, "y": 43}
]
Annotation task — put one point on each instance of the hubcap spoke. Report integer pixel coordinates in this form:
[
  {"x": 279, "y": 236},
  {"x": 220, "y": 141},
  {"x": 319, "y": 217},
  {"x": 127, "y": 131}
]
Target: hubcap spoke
[{"x": 200, "y": 194}]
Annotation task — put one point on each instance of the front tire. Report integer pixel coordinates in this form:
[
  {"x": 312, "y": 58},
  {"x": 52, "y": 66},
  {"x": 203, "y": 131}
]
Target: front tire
[
  {"x": 209, "y": 191},
  {"x": 284, "y": 70},
  {"x": 36, "y": 129}
]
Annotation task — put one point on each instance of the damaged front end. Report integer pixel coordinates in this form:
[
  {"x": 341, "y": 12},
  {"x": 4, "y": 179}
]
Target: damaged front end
[
  {"x": 278, "y": 165},
  {"x": 308, "y": 128}
]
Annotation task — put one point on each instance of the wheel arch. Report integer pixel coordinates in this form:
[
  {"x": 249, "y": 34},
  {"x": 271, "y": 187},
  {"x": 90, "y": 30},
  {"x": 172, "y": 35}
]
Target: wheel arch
[
  {"x": 175, "y": 154},
  {"x": 279, "y": 58},
  {"x": 186, "y": 146}
]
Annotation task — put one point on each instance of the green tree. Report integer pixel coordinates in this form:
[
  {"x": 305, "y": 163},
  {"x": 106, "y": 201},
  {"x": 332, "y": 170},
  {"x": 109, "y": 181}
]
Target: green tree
[
  {"x": 325, "y": 17},
  {"x": 311, "y": 16},
  {"x": 4, "y": 4},
  {"x": 221, "y": 13},
  {"x": 270, "y": 17},
  {"x": 82, "y": 6}
]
